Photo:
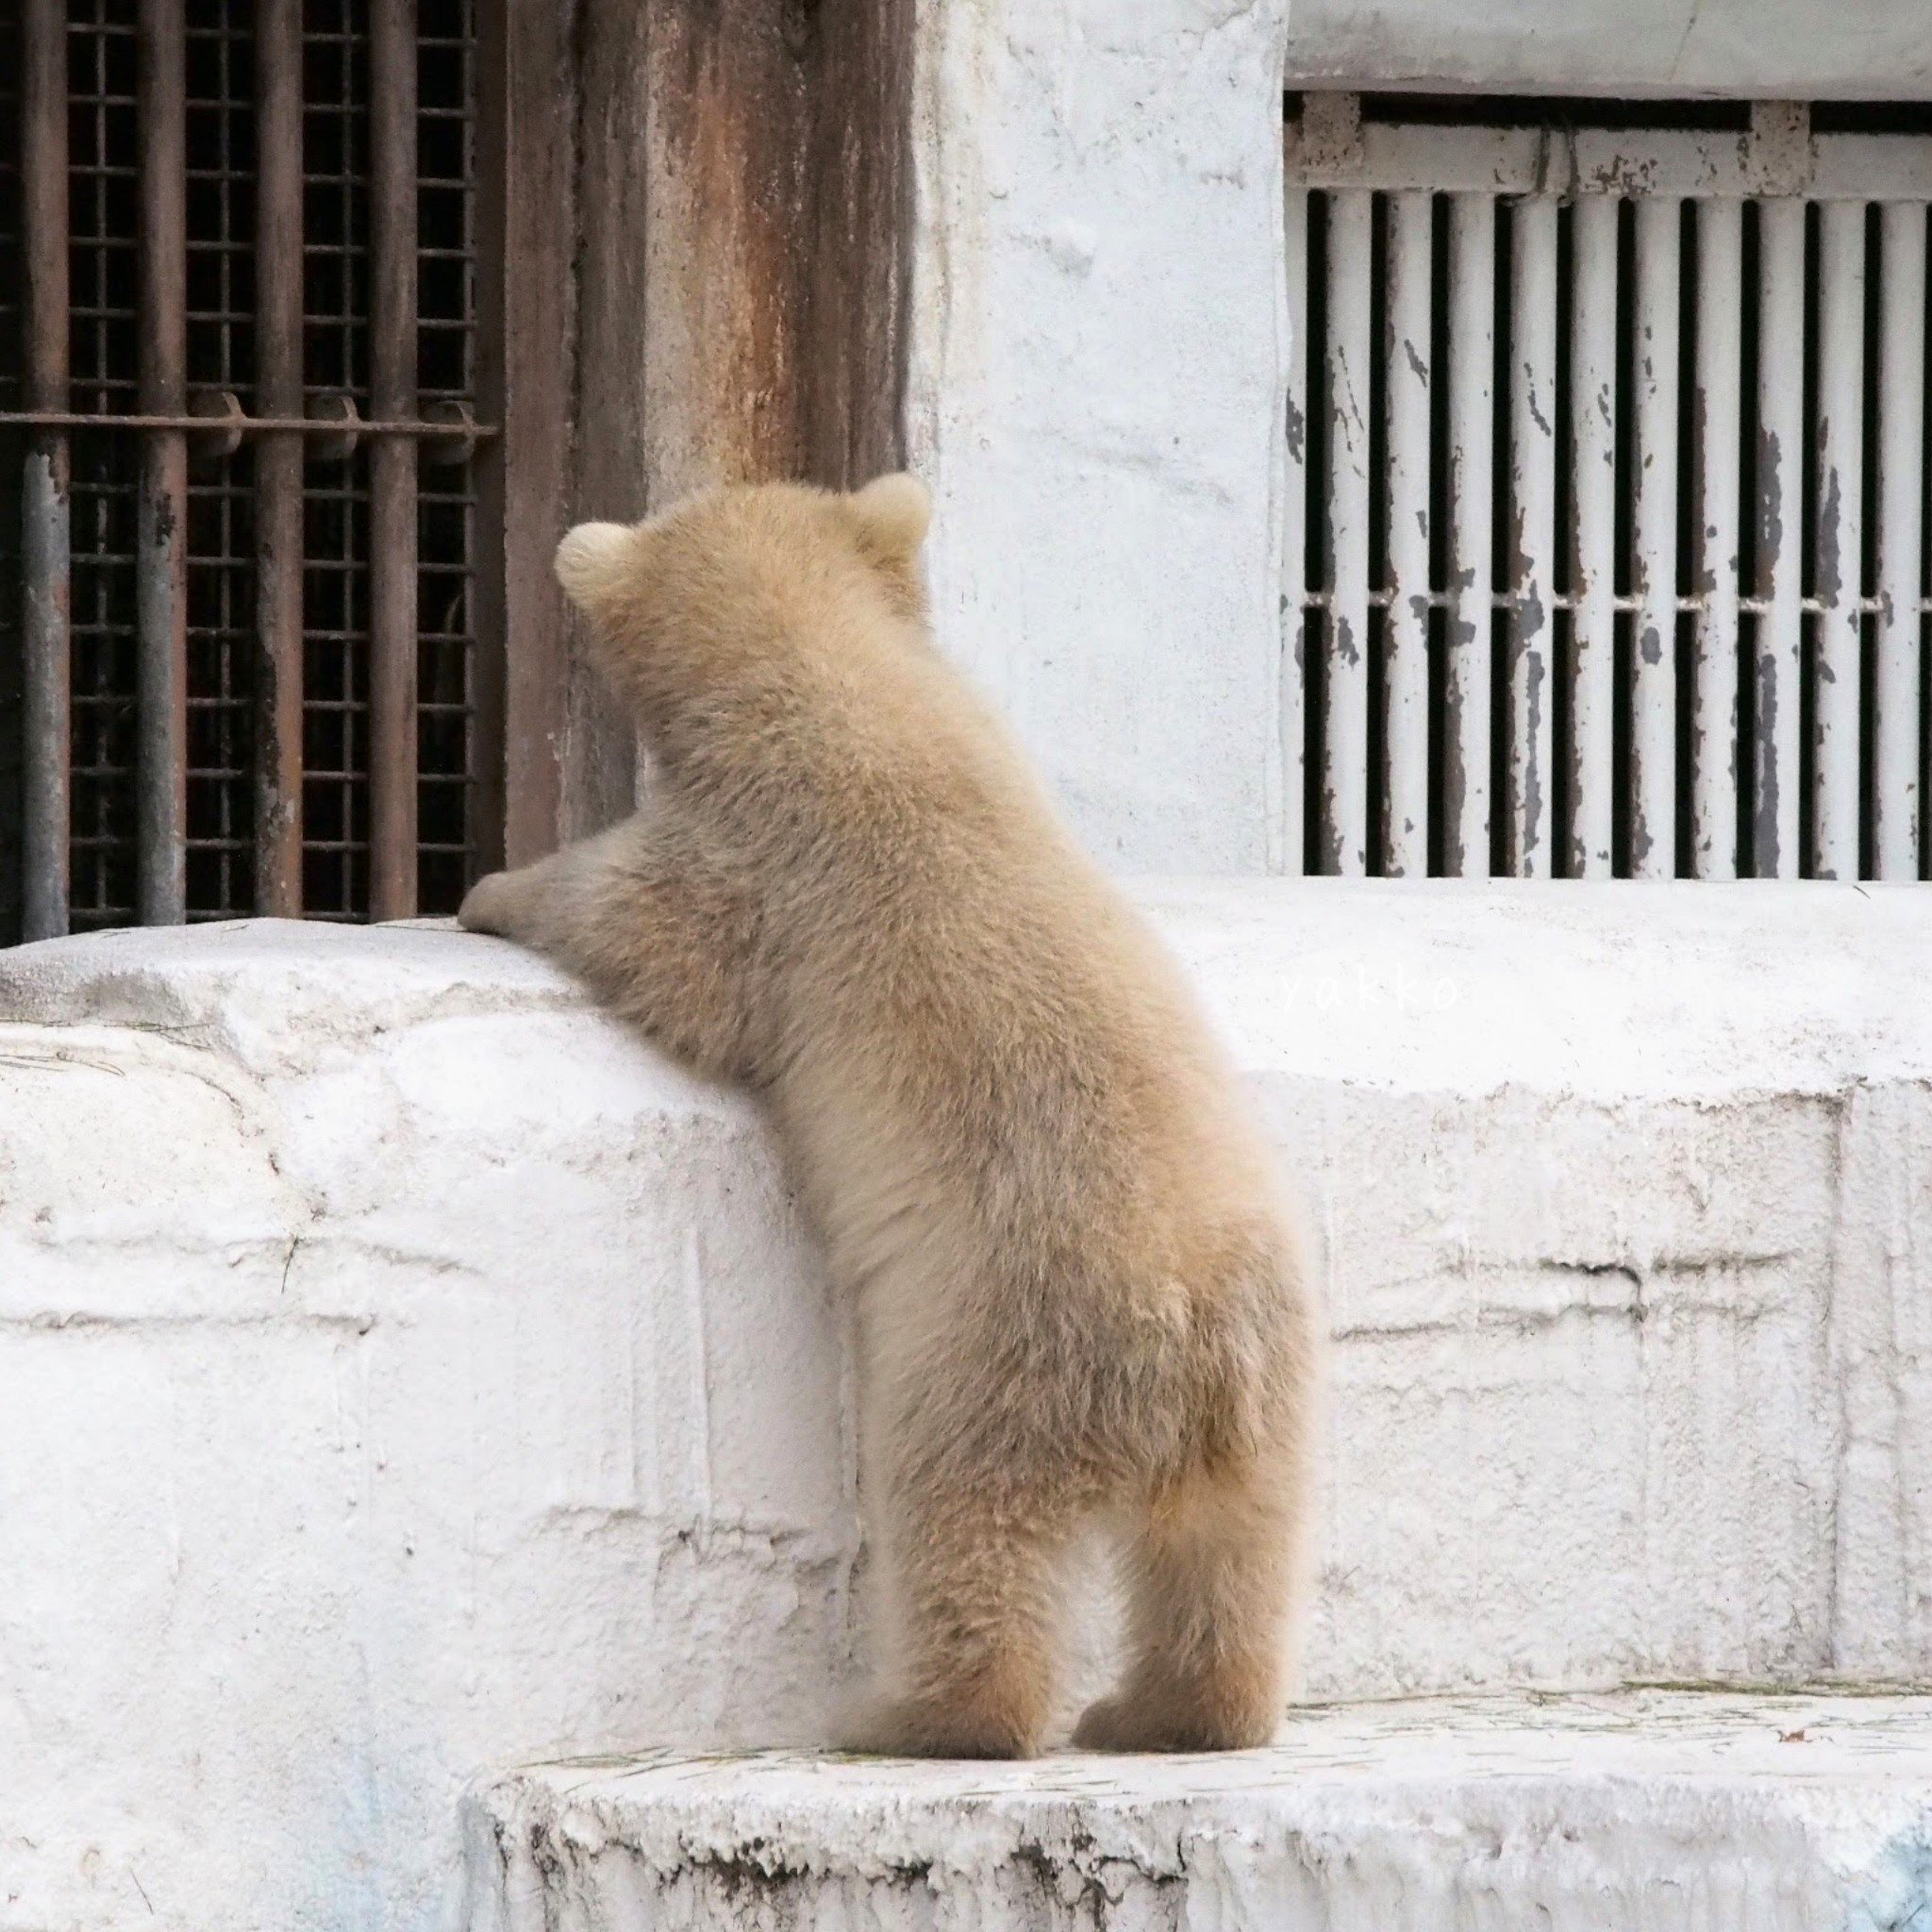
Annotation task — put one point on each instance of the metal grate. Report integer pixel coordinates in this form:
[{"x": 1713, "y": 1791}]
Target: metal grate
[
  {"x": 1607, "y": 478},
  {"x": 231, "y": 699}
]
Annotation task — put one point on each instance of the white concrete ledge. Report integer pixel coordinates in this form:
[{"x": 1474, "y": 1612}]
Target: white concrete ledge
[
  {"x": 402, "y": 1371},
  {"x": 1672, "y": 1811},
  {"x": 1777, "y": 49},
  {"x": 391, "y": 1364}
]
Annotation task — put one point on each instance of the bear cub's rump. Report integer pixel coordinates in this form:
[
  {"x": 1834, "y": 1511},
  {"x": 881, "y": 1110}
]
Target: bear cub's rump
[{"x": 1077, "y": 1293}]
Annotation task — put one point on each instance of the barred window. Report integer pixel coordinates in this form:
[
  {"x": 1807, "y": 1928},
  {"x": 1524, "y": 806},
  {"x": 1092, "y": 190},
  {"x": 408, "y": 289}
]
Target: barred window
[
  {"x": 1607, "y": 470},
  {"x": 241, "y": 667}
]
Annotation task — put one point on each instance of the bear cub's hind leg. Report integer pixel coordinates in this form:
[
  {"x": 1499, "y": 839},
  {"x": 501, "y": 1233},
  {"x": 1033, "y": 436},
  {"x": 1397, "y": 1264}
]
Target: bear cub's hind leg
[
  {"x": 978, "y": 1580},
  {"x": 1208, "y": 1574}
]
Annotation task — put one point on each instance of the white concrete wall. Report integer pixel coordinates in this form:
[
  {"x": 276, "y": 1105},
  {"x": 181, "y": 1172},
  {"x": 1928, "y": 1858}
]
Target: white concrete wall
[
  {"x": 400, "y": 1371},
  {"x": 1098, "y": 330},
  {"x": 392, "y": 1374}
]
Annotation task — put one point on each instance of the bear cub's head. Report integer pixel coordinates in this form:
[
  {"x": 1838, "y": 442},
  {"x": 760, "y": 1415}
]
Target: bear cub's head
[
  {"x": 752, "y": 601},
  {"x": 714, "y": 588}
]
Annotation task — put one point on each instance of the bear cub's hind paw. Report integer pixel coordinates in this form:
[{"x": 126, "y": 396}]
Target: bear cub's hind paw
[
  {"x": 934, "y": 1727},
  {"x": 1127, "y": 1723}
]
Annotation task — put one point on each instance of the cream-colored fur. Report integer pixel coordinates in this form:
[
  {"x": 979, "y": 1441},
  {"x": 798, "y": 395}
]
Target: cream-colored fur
[{"x": 1077, "y": 1294}]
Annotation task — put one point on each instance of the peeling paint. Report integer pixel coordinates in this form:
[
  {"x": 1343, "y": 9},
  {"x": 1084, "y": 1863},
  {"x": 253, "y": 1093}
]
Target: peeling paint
[
  {"x": 1535, "y": 409},
  {"x": 1830, "y": 523}
]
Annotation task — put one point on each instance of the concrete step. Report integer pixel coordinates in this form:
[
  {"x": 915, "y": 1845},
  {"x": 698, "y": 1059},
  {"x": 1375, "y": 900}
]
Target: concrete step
[{"x": 1668, "y": 1810}]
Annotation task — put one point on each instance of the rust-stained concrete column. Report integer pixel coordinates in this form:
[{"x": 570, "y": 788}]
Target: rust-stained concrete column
[{"x": 745, "y": 193}]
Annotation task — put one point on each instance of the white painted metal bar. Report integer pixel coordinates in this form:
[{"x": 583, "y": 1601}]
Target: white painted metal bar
[
  {"x": 1901, "y": 532},
  {"x": 1345, "y": 740},
  {"x": 1594, "y": 559},
  {"x": 1779, "y": 494},
  {"x": 1654, "y": 526},
  {"x": 1471, "y": 384},
  {"x": 1869, "y": 167},
  {"x": 1528, "y": 764},
  {"x": 1718, "y": 425},
  {"x": 1291, "y": 703},
  {"x": 1406, "y": 670},
  {"x": 1840, "y": 540}
]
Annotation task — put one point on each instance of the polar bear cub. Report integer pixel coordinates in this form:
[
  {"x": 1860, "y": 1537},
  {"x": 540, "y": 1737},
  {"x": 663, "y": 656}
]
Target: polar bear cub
[{"x": 1078, "y": 1297}]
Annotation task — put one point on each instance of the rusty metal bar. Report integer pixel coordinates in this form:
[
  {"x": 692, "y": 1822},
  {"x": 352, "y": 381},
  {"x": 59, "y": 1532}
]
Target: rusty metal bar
[
  {"x": 1654, "y": 524},
  {"x": 445, "y": 438},
  {"x": 1471, "y": 386},
  {"x": 1529, "y": 763},
  {"x": 1291, "y": 706},
  {"x": 46, "y": 557},
  {"x": 1593, "y": 561},
  {"x": 392, "y": 655},
  {"x": 1840, "y": 540},
  {"x": 1345, "y": 740},
  {"x": 278, "y": 459},
  {"x": 1406, "y": 682},
  {"x": 1901, "y": 532},
  {"x": 1779, "y": 493},
  {"x": 160, "y": 564},
  {"x": 1717, "y": 424}
]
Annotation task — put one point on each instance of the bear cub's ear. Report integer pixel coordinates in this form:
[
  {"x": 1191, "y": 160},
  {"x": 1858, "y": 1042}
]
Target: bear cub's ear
[
  {"x": 592, "y": 557},
  {"x": 894, "y": 514}
]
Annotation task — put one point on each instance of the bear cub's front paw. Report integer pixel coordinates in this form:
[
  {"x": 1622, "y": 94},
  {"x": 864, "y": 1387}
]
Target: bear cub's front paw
[{"x": 490, "y": 906}]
